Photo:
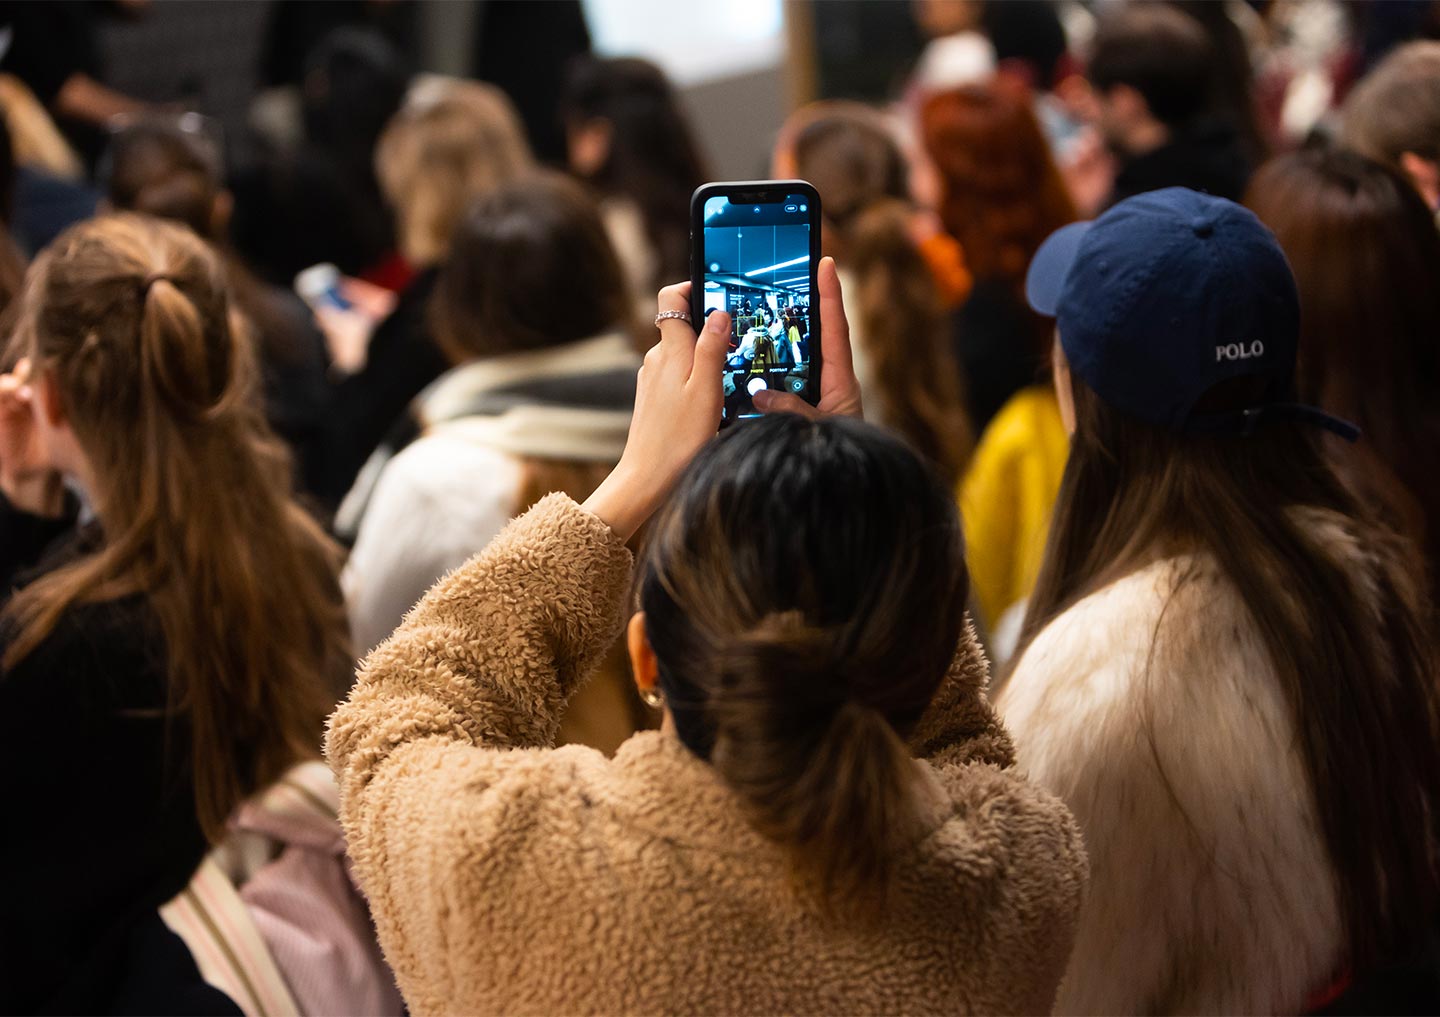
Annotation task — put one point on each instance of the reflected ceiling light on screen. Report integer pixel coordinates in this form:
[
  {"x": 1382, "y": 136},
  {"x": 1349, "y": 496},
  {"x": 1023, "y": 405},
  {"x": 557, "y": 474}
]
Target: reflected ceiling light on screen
[
  {"x": 784, "y": 264},
  {"x": 798, "y": 278}
]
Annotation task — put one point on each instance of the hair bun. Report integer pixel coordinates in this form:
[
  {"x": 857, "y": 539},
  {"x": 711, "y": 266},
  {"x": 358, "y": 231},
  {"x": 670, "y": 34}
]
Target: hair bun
[{"x": 786, "y": 659}]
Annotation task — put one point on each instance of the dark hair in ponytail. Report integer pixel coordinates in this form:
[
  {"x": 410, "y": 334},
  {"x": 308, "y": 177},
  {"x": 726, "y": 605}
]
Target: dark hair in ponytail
[{"x": 804, "y": 593}]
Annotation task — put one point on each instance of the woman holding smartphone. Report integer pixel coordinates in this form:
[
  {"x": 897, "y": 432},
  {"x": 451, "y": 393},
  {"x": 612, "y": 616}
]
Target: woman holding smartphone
[{"x": 776, "y": 847}]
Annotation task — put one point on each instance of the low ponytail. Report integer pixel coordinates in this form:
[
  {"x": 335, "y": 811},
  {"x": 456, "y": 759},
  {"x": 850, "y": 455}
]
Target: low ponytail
[
  {"x": 804, "y": 593},
  {"x": 819, "y": 772}
]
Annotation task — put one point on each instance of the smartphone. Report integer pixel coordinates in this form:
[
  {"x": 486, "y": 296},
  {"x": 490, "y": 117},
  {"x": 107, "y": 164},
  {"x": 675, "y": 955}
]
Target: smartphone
[
  {"x": 319, "y": 286},
  {"x": 754, "y": 252}
]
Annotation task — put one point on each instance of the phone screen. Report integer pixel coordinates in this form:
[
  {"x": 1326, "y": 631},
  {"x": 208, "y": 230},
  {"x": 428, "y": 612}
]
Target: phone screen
[{"x": 757, "y": 266}]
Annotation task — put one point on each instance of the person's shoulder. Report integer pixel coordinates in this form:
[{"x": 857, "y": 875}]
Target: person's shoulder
[
  {"x": 98, "y": 655},
  {"x": 1031, "y": 410},
  {"x": 1143, "y": 625},
  {"x": 497, "y": 807},
  {"x": 445, "y": 467},
  {"x": 996, "y": 807},
  {"x": 1154, "y": 659},
  {"x": 1009, "y": 859},
  {"x": 1029, "y": 422}
]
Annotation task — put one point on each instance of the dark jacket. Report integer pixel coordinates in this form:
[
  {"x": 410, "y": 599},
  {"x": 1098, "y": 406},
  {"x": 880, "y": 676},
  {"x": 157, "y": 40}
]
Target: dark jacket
[
  {"x": 402, "y": 359},
  {"x": 295, "y": 365},
  {"x": 1208, "y": 156},
  {"x": 102, "y": 816},
  {"x": 996, "y": 338}
]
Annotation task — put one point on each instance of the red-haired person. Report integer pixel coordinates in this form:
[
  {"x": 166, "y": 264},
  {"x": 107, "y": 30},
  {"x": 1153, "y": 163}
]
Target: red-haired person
[{"x": 1001, "y": 195}]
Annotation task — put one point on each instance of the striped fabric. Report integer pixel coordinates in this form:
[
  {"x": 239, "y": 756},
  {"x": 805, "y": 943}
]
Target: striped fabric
[
  {"x": 228, "y": 949},
  {"x": 272, "y": 917}
]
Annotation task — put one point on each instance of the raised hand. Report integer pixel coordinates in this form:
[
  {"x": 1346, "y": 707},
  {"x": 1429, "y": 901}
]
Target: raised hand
[
  {"x": 27, "y": 477},
  {"x": 839, "y": 391},
  {"x": 678, "y": 400}
]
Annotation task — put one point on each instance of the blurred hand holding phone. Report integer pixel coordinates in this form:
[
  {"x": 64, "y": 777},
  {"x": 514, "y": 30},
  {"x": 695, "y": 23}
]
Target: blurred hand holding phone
[{"x": 347, "y": 310}]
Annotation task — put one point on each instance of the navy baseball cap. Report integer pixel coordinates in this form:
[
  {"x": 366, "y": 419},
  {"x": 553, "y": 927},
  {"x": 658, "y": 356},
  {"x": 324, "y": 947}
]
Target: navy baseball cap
[{"x": 1168, "y": 294}]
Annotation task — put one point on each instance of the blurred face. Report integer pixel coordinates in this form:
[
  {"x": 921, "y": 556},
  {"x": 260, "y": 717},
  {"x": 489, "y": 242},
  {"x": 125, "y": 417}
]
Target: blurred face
[
  {"x": 1123, "y": 119},
  {"x": 939, "y": 18},
  {"x": 1109, "y": 120},
  {"x": 588, "y": 147}
]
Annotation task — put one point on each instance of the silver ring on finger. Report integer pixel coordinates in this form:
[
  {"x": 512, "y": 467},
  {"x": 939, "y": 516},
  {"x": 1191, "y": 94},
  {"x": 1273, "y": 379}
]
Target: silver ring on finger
[{"x": 666, "y": 315}]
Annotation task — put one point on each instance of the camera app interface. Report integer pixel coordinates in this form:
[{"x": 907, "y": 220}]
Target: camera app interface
[{"x": 757, "y": 267}]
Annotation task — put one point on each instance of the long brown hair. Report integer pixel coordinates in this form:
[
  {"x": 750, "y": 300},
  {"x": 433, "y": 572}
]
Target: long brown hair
[
  {"x": 131, "y": 319},
  {"x": 1350, "y": 652},
  {"x": 845, "y": 150},
  {"x": 798, "y": 643},
  {"x": 1366, "y": 257}
]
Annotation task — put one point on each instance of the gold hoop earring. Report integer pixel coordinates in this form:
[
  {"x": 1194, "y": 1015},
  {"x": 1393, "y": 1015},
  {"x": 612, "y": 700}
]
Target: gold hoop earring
[{"x": 653, "y": 698}]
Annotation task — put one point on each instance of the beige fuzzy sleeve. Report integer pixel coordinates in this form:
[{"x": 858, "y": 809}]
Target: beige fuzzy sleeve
[
  {"x": 421, "y": 750},
  {"x": 960, "y": 726},
  {"x": 491, "y": 654}
]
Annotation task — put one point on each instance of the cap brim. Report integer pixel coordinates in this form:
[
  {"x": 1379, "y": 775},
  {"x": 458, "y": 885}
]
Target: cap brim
[{"x": 1050, "y": 266}]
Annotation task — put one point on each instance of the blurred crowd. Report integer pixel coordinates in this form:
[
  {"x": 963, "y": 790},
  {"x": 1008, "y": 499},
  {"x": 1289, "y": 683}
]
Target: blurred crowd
[{"x": 254, "y": 408}]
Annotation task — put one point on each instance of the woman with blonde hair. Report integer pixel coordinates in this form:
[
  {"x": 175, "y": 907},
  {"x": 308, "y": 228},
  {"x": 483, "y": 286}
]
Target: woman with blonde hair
[
  {"x": 451, "y": 143},
  {"x": 184, "y": 630}
]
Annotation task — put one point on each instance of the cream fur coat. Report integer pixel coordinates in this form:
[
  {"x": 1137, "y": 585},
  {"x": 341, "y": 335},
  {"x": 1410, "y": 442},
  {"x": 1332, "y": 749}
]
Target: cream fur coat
[
  {"x": 506, "y": 876},
  {"x": 1152, "y": 709}
]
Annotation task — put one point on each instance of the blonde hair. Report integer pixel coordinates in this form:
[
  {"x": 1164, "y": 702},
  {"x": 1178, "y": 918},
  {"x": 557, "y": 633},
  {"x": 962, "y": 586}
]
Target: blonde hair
[
  {"x": 1396, "y": 107},
  {"x": 131, "y": 319},
  {"x": 451, "y": 143}
]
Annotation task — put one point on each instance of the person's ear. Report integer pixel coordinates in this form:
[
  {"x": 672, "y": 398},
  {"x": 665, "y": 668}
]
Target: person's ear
[
  {"x": 221, "y": 210},
  {"x": 589, "y": 146},
  {"x": 1064, "y": 391},
  {"x": 1424, "y": 174},
  {"x": 642, "y": 658},
  {"x": 49, "y": 400}
]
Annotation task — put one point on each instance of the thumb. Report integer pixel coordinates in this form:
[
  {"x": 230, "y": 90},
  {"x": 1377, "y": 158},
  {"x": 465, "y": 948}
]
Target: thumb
[
  {"x": 770, "y": 401},
  {"x": 711, "y": 346}
]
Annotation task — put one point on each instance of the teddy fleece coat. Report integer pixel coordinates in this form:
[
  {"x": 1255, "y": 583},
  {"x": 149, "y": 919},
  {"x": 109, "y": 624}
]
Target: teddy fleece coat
[{"x": 506, "y": 876}]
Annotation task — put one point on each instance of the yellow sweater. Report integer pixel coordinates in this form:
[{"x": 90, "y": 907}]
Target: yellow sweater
[{"x": 1007, "y": 495}]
